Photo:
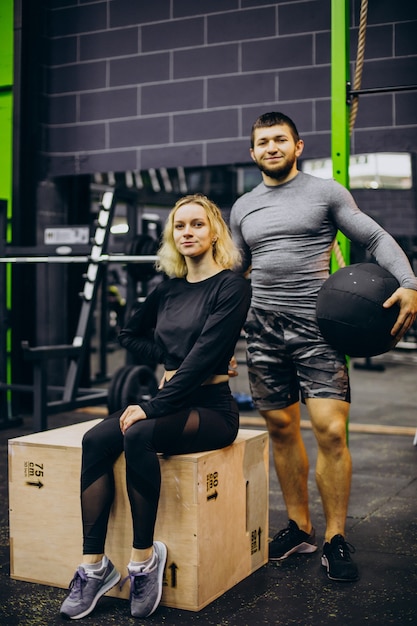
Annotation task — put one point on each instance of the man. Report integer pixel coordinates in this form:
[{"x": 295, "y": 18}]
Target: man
[{"x": 285, "y": 228}]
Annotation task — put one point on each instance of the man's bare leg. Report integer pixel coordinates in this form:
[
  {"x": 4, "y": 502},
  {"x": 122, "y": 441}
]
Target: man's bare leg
[
  {"x": 334, "y": 465},
  {"x": 291, "y": 462}
]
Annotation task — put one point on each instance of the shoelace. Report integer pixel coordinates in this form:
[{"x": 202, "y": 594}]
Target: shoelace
[
  {"x": 345, "y": 548},
  {"x": 135, "y": 587},
  {"x": 77, "y": 583},
  {"x": 282, "y": 533},
  {"x": 289, "y": 530}
]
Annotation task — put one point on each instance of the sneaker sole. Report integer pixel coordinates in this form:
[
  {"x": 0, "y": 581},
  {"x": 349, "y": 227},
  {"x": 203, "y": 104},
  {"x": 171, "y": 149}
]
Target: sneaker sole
[
  {"x": 161, "y": 550},
  {"x": 302, "y": 548},
  {"x": 325, "y": 563},
  {"x": 109, "y": 585}
]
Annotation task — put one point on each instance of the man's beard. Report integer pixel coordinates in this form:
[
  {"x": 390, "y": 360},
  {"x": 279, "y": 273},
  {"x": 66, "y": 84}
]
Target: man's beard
[{"x": 277, "y": 174}]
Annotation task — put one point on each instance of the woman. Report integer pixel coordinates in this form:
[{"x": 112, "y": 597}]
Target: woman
[{"x": 190, "y": 324}]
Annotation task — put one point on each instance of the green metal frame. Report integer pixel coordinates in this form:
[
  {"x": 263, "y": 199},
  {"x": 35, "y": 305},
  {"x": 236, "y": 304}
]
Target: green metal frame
[
  {"x": 6, "y": 100},
  {"x": 340, "y": 114},
  {"x": 339, "y": 107},
  {"x": 6, "y": 150}
]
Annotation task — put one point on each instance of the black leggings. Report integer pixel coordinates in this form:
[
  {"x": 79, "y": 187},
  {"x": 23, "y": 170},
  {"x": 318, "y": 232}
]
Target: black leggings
[{"x": 211, "y": 422}]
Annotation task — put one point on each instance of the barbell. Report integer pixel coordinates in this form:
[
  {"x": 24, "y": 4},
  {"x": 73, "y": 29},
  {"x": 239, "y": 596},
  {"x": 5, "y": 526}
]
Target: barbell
[{"x": 103, "y": 258}]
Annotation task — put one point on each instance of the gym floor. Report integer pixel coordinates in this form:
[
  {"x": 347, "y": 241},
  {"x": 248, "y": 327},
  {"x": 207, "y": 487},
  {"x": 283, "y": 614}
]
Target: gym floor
[{"x": 382, "y": 525}]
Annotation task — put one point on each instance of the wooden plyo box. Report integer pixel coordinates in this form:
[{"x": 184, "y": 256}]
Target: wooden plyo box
[{"x": 213, "y": 514}]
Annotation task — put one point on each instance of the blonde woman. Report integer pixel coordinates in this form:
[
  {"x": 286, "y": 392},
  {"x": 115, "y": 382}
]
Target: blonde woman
[{"x": 190, "y": 324}]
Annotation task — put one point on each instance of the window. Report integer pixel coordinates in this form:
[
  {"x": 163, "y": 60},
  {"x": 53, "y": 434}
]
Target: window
[{"x": 382, "y": 170}]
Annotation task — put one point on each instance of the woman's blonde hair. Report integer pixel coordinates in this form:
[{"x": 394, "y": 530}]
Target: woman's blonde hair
[{"x": 225, "y": 252}]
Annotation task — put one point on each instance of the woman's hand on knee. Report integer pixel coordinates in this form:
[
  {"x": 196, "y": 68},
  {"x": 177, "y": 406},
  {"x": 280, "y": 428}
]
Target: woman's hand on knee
[{"x": 133, "y": 413}]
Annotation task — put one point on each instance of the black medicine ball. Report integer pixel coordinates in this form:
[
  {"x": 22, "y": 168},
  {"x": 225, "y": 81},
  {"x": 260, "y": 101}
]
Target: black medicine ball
[{"x": 350, "y": 313}]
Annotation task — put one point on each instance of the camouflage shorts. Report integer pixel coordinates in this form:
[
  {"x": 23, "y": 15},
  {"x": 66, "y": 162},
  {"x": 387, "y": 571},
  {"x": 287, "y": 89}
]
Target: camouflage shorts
[{"x": 287, "y": 358}]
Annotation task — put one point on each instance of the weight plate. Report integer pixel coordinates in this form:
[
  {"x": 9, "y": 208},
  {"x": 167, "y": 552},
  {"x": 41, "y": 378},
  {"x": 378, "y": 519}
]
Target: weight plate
[
  {"x": 139, "y": 384},
  {"x": 115, "y": 387},
  {"x": 142, "y": 245}
]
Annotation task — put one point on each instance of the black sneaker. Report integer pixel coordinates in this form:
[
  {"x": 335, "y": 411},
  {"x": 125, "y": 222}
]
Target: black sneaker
[
  {"x": 336, "y": 559},
  {"x": 291, "y": 540}
]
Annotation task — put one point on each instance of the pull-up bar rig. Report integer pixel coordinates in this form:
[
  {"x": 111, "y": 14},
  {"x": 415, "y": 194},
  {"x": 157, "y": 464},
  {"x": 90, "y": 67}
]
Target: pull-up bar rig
[
  {"x": 342, "y": 96},
  {"x": 351, "y": 93},
  {"x": 73, "y": 396}
]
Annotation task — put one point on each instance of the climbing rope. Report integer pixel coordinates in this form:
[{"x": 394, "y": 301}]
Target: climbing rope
[
  {"x": 338, "y": 254},
  {"x": 360, "y": 55}
]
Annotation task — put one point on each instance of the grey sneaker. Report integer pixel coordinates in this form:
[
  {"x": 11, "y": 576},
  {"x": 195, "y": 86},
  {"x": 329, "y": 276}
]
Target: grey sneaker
[
  {"x": 146, "y": 585},
  {"x": 87, "y": 588}
]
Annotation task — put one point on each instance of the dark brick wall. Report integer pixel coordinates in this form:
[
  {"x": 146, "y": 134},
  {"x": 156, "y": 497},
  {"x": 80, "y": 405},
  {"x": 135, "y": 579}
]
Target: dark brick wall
[
  {"x": 394, "y": 210},
  {"x": 133, "y": 84},
  {"x": 129, "y": 85}
]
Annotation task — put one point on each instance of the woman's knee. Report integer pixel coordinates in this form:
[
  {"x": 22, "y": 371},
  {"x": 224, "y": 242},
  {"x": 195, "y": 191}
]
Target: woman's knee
[
  {"x": 138, "y": 437},
  {"x": 90, "y": 441},
  {"x": 103, "y": 439}
]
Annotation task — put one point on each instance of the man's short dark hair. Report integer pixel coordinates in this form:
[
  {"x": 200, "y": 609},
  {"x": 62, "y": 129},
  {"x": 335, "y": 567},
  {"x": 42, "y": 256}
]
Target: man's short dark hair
[{"x": 274, "y": 118}]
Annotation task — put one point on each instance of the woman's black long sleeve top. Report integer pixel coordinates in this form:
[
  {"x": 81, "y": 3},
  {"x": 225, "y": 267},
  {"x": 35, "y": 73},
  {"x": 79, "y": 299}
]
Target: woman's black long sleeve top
[{"x": 189, "y": 327}]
